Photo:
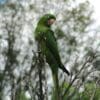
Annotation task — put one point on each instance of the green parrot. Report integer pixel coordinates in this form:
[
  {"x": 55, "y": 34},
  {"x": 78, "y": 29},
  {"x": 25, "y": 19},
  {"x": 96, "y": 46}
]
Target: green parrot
[
  {"x": 45, "y": 37},
  {"x": 48, "y": 44}
]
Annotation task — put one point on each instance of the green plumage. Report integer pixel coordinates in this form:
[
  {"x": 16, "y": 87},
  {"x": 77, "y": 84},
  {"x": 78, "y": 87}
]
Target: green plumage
[
  {"x": 48, "y": 45},
  {"x": 45, "y": 37}
]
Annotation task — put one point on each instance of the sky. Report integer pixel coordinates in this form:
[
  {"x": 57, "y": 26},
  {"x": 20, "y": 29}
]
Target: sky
[
  {"x": 96, "y": 5},
  {"x": 2, "y": 1}
]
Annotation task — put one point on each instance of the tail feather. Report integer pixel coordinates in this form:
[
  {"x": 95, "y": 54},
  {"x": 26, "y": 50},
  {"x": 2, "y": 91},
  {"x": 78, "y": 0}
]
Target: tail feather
[
  {"x": 57, "y": 94},
  {"x": 64, "y": 69}
]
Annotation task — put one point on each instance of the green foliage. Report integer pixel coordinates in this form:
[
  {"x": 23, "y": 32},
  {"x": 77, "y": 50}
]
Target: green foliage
[
  {"x": 21, "y": 95},
  {"x": 90, "y": 89},
  {"x": 63, "y": 87}
]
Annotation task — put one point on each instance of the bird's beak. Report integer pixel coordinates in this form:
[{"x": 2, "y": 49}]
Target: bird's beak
[{"x": 51, "y": 21}]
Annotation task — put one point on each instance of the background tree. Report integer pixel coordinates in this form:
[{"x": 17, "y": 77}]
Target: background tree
[{"x": 79, "y": 46}]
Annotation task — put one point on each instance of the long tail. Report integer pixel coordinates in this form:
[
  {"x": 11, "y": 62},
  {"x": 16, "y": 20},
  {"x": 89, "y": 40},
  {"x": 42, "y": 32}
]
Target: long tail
[
  {"x": 57, "y": 93},
  {"x": 64, "y": 69}
]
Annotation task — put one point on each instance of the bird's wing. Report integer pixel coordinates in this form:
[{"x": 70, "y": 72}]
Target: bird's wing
[{"x": 51, "y": 44}]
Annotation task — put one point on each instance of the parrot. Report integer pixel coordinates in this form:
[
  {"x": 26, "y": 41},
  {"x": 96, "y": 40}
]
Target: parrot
[{"x": 45, "y": 37}]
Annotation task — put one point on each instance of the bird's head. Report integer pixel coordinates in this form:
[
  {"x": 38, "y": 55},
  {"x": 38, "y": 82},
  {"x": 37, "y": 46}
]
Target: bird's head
[{"x": 47, "y": 20}]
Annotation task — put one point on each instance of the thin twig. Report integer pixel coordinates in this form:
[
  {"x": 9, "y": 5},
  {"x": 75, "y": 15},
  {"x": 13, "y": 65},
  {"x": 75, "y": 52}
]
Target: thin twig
[{"x": 66, "y": 91}]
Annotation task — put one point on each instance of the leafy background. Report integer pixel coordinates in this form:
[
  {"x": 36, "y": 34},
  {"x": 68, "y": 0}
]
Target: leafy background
[{"x": 78, "y": 41}]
